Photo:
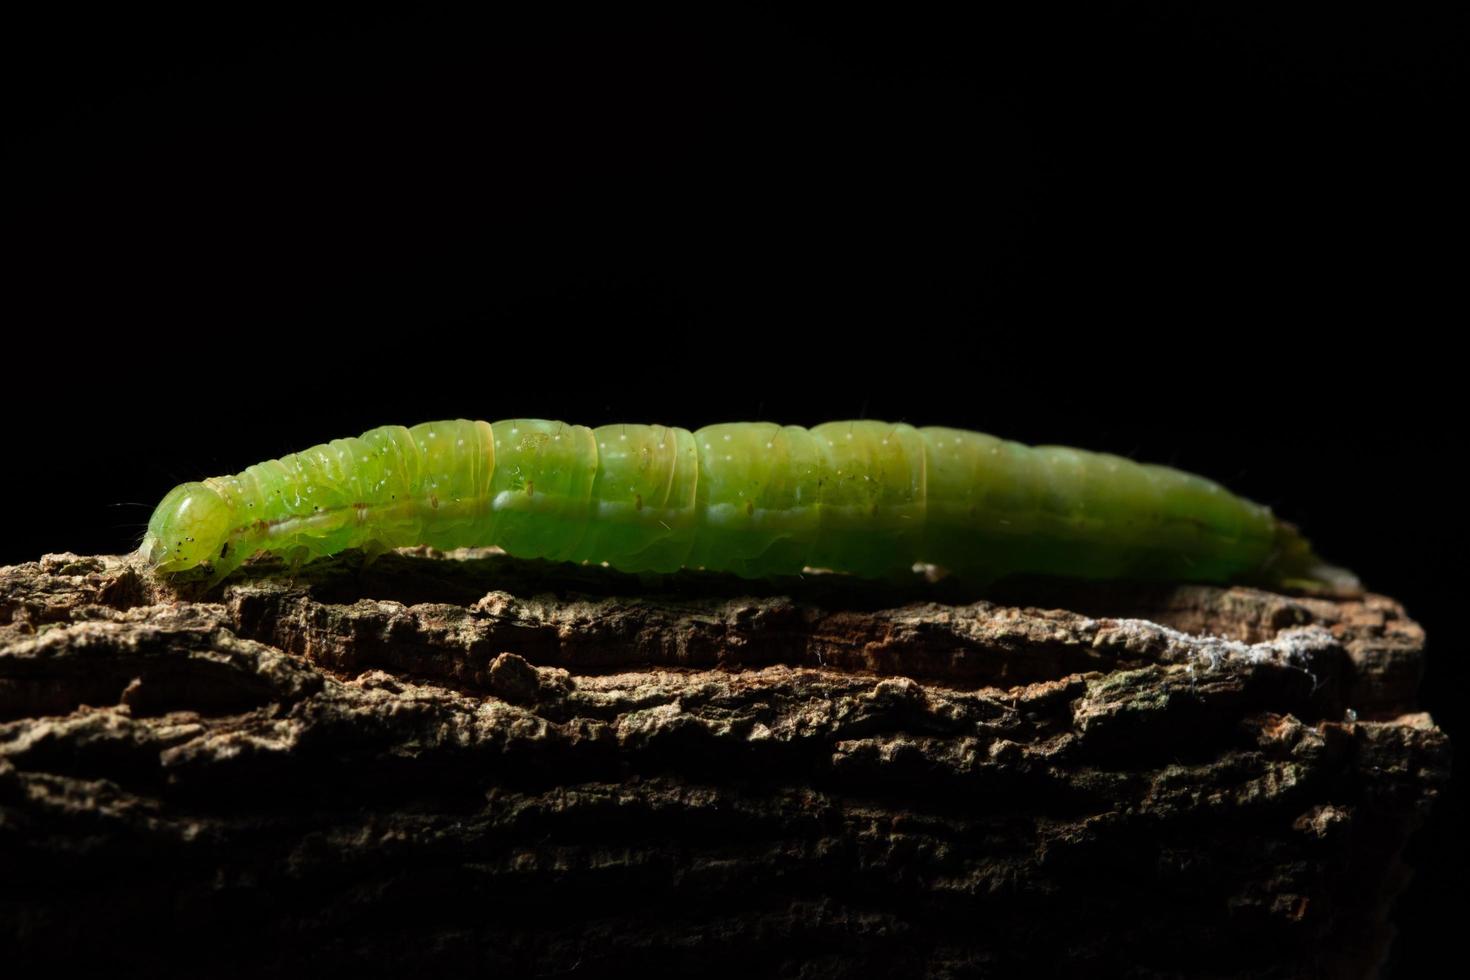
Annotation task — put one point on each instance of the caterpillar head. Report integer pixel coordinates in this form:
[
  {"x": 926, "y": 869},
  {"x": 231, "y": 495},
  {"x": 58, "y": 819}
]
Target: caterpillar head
[{"x": 190, "y": 526}]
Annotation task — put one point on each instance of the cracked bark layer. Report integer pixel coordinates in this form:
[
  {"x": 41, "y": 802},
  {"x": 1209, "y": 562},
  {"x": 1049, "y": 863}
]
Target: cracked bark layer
[{"x": 476, "y": 763}]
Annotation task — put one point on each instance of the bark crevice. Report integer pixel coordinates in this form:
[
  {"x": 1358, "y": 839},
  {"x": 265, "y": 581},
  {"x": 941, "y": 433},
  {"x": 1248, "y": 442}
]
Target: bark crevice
[{"x": 476, "y": 763}]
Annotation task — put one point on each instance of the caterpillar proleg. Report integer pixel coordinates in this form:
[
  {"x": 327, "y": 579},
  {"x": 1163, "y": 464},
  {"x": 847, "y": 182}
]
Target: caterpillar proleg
[{"x": 753, "y": 498}]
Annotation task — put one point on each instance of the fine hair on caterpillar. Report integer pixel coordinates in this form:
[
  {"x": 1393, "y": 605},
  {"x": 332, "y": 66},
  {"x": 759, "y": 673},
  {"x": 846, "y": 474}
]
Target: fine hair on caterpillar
[{"x": 756, "y": 499}]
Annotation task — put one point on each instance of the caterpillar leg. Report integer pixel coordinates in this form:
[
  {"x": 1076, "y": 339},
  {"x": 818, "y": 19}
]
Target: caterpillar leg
[
  {"x": 931, "y": 573},
  {"x": 295, "y": 558},
  {"x": 217, "y": 574},
  {"x": 372, "y": 551}
]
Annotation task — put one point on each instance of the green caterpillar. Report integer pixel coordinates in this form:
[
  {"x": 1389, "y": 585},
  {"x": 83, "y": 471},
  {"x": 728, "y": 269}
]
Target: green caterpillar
[{"x": 754, "y": 498}]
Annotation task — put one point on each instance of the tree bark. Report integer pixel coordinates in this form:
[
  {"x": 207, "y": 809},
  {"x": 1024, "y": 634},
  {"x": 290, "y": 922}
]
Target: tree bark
[{"x": 437, "y": 764}]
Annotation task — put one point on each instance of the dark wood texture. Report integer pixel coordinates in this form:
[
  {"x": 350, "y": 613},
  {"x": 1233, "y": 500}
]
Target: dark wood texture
[{"x": 477, "y": 765}]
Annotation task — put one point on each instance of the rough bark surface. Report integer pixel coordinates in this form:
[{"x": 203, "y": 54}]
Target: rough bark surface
[{"x": 450, "y": 764}]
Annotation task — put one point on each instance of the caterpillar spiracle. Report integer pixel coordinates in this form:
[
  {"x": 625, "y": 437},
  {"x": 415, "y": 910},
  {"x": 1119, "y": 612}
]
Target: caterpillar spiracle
[{"x": 757, "y": 499}]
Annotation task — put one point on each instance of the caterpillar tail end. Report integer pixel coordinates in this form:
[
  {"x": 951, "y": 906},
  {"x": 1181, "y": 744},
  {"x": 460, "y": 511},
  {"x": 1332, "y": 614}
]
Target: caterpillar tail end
[{"x": 1296, "y": 567}]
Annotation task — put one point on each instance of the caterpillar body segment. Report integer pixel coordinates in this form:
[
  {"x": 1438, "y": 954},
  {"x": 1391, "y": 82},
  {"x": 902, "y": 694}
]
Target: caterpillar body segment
[{"x": 753, "y": 498}]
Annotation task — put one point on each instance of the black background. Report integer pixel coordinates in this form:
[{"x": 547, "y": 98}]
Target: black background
[{"x": 1221, "y": 236}]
